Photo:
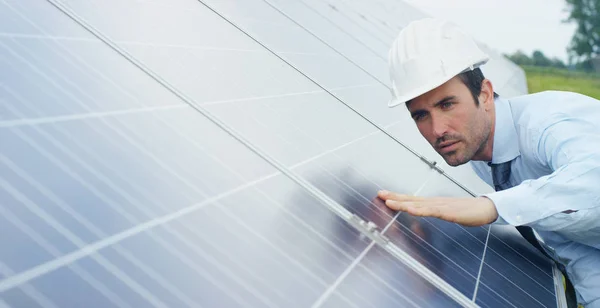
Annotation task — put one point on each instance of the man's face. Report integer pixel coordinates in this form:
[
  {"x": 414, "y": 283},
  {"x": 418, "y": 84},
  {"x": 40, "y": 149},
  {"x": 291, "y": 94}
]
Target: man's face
[{"x": 452, "y": 123}]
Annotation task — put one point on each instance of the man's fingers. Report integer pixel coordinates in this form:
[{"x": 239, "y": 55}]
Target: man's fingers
[
  {"x": 387, "y": 195},
  {"x": 426, "y": 211},
  {"x": 417, "y": 208},
  {"x": 395, "y": 205}
]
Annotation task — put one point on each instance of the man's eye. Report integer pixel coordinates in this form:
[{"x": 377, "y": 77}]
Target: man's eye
[
  {"x": 446, "y": 105},
  {"x": 418, "y": 117}
]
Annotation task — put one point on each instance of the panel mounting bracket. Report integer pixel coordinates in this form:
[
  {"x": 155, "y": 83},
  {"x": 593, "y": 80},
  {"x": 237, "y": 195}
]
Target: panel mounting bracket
[
  {"x": 432, "y": 164},
  {"x": 369, "y": 229}
]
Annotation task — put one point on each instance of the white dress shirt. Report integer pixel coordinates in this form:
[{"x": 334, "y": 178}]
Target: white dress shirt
[{"x": 553, "y": 140}]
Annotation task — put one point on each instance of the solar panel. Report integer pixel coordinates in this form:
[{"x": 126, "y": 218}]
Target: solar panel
[{"x": 211, "y": 153}]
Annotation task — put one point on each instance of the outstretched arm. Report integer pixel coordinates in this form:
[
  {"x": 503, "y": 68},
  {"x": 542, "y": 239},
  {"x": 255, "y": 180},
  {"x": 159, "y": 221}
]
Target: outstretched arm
[{"x": 464, "y": 211}]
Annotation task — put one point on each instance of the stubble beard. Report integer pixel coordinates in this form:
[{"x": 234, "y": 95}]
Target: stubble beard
[{"x": 455, "y": 158}]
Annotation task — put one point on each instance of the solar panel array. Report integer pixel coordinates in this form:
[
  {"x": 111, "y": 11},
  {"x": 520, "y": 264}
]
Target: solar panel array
[{"x": 228, "y": 153}]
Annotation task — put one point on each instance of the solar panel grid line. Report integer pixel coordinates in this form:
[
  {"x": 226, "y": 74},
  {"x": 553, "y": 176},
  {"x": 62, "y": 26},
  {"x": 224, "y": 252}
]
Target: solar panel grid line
[
  {"x": 377, "y": 26},
  {"x": 343, "y": 30},
  {"x": 132, "y": 43},
  {"x": 520, "y": 270},
  {"x": 324, "y": 42},
  {"x": 43, "y": 37},
  {"x": 90, "y": 226},
  {"x": 5, "y": 284},
  {"x": 90, "y": 249},
  {"x": 55, "y": 83},
  {"x": 325, "y": 151},
  {"x": 241, "y": 222},
  {"x": 79, "y": 60},
  {"x": 519, "y": 254},
  {"x": 509, "y": 301},
  {"x": 481, "y": 264},
  {"x": 457, "y": 243},
  {"x": 81, "y": 116},
  {"x": 181, "y": 46},
  {"x": 39, "y": 72},
  {"x": 30, "y": 291},
  {"x": 381, "y": 23},
  {"x": 85, "y": 276},
  {"x": 323, "y": 298},
  {"x": 428, "y": 275},
  {"x": 333, "y": 204},
  {"x": 516, "y": 284},
  {"x": 279, "y": 96},
  {"x": 500, "y": 296},
  {"x": 368, "y": 31},
  {"x": 430, "y": 247},
  {"x": 361, "y": 35},
  {"x": 97, "y": 285},
  {"x": 366, "y": 18}
]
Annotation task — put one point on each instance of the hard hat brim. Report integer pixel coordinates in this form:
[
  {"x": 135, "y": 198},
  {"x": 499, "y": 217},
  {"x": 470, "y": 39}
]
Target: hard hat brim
[{"x": 434, "y": 84}]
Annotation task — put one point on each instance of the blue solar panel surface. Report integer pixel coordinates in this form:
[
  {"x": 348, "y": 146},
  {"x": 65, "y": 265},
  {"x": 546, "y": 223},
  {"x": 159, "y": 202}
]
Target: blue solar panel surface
[{"x": 115, "y": 191}]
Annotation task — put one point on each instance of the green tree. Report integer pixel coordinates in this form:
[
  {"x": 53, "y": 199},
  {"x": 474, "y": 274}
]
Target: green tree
[
  {"x": 558, "y": 63},
  {"x": 520, "y": 58},
  {"x": 586, "y": 40},
  {"x": 539, "y": 59}
]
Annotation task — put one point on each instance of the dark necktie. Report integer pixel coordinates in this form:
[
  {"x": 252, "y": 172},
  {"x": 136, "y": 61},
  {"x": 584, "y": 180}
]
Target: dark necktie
[{"x": 501, "y": 176}]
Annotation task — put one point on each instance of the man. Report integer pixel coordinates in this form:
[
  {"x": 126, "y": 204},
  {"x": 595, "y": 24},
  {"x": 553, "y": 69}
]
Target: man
[{"x": 541, "y": 151}]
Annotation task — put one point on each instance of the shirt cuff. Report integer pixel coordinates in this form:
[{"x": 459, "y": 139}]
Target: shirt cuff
[
  {"x": 499, "y": 220},
  {"x": 514, "y": 206}
]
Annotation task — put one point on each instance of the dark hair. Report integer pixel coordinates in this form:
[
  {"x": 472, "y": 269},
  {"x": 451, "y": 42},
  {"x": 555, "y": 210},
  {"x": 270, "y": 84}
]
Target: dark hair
[{"x": 473, "y": 80}]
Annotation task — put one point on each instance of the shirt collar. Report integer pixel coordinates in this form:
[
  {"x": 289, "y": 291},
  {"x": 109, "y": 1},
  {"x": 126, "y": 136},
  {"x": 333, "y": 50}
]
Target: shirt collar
[{"x": 506, "y": 146}]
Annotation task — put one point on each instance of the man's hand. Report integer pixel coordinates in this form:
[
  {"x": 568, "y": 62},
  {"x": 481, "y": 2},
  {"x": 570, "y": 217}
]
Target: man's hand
[{"x": 465, "y": 211}]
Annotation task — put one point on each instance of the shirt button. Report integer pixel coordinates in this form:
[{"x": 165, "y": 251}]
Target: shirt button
[{"x": 519, "y": 218}]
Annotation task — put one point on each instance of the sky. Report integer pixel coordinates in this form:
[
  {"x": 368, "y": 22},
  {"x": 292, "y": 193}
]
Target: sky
[{"x": 509, "y": 25}]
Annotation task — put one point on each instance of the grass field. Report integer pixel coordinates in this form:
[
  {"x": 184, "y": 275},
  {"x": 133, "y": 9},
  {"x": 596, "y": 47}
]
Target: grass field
[{"x": 542, "y": 78}]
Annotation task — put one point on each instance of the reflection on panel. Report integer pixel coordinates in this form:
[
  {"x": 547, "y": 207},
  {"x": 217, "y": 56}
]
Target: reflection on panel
[
  {"x": 384, "y": 281},
  {"x": 514, "y": 273}
]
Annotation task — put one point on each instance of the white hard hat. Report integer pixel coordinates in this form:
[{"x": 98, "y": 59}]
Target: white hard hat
[{"x": 427, "y": 53}]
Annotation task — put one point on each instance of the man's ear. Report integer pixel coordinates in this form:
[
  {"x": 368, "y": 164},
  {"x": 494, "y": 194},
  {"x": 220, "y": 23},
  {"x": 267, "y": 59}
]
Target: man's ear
[{"x": 486, "y": 97}]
